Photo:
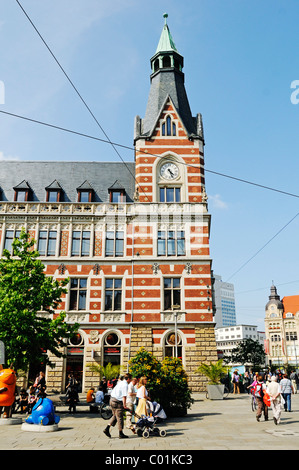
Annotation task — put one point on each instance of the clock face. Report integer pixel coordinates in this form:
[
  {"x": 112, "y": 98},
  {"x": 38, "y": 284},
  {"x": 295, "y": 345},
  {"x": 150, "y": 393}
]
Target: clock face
[{"x": 169, "y": 171}]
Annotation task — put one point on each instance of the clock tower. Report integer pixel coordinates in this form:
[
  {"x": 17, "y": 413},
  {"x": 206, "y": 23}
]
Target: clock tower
[{"x": 169, "y": 141}]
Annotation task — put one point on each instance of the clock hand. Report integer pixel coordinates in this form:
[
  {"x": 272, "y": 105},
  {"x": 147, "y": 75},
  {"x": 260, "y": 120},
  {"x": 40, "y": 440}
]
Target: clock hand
[{"x": 171, "y": 174}]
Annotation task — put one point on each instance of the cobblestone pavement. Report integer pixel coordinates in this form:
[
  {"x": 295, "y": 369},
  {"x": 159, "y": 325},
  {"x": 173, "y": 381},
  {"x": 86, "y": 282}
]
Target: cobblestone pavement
[{"x": 227, "y": 424}]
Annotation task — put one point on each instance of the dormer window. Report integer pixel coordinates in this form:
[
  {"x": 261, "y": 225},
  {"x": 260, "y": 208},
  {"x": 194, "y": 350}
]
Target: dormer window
[
  {"x": 22, "y": 192},
  {"x": 85, "y": 192},
  {"x": 169, "y": 127},
  {"x": 54, "y": 192},
  {"x": 117, "y": 193}
]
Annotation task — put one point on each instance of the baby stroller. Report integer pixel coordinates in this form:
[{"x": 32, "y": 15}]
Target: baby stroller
[{"x": 146, "y": 425}]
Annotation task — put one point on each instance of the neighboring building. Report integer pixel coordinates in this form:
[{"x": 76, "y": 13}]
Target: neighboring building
[
  {"x": 133, "y": 238},
  {"x": 224, "y": 302},
  {"x": 228, "y": 338},
  {"x": 282, "y": 328}
]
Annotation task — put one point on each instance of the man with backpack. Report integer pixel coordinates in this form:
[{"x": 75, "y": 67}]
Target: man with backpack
[{"x": 259, "y": 390}]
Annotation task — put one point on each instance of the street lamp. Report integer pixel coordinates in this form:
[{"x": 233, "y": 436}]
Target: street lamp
[{"x": 175, "y": 309}]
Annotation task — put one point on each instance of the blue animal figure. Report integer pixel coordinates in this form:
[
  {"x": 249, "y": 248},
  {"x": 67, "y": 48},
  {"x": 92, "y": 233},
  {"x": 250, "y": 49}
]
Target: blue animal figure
[{"x": 43, "y": 413}]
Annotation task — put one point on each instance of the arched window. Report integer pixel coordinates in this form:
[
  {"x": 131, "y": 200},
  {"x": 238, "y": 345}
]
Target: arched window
[
  {"x": 112, "y": 349},
  {"x": 166, "y": 61},
  {"x": 168, "y": 127},
  {"x": 156, "y": 65},
  {"x": 173, "y": 345}
]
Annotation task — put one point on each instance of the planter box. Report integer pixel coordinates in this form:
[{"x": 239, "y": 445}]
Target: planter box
[{"x": 215, "y": 392}]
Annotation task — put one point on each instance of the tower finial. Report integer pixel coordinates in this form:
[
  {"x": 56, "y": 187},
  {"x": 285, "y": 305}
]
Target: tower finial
[{"x": 165, "y": 16}]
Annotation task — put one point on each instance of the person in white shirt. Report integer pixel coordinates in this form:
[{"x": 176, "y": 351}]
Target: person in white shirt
[
  {"x": 118, "y": 403},
  {"x": 130, "y": 403}
]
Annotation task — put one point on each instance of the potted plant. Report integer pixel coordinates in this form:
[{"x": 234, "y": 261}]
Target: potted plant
[{"x": 214, "y": 372}]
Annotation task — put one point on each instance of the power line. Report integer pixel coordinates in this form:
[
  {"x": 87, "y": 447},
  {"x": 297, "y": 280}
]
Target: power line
[
  {"x": 265, "y": 288},
  {"x": 115, "y": 149},
  {"x": 115, "y": 144},
  {"x": 74, "y": 87},
  {"x": 272, "y": 238}
]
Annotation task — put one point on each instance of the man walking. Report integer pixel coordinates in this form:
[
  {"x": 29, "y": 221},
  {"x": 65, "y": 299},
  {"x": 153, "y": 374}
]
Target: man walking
[{"x": 118, "y": 403}]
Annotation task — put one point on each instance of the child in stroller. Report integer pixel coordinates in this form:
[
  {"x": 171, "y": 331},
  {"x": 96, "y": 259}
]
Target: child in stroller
[{"x": 146, "y": 425}]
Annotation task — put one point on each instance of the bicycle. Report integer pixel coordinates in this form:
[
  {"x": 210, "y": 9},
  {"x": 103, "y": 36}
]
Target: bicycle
[
  {"x": 105, "y": 411},
  {"x": 253, "y": 403}
]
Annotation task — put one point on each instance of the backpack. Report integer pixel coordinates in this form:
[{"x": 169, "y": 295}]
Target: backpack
[{"x": 258, "y": 392}]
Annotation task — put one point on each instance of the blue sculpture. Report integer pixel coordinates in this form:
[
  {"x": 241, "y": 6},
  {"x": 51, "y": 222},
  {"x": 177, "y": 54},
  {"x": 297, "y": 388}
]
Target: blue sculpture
[{"x": 43, "y": 413}]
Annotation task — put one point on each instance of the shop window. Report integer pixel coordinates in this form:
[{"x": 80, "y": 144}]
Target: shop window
[{"x": 112, "y": 349}]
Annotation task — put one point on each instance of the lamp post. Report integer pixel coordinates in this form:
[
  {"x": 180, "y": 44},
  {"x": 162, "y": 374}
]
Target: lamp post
[
  {"x": 293, "y": 338},
  {"x": 175, "y": 309}
]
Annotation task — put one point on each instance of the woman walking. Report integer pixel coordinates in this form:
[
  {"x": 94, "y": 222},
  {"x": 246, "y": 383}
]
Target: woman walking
[
  {"x": 286, "y": 389},
  {"x": 142, "y": 395},
  {"x": 274, "y": 391},
  {"x": 236, "y": 381}
]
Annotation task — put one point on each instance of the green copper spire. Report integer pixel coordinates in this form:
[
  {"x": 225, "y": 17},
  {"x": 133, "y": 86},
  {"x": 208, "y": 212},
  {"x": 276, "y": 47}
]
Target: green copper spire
[{"x": 166, "y": 42}]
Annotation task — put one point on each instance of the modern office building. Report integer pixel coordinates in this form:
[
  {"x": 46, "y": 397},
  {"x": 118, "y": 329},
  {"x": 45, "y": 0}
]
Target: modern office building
[
  {"x": 132, "y": 238},
  {"x": 227, "y": 338},
  {"x": 224, "y": 302}
]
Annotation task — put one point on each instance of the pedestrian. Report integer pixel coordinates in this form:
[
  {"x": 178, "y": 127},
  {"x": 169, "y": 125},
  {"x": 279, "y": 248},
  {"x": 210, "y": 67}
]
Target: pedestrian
[
  {"x": 279, "y": 375},
  {"x": 246, "y": 382},
  {"x": 23, "y": 402},
  {"x": 90, "y": 398},
  {"x": 32, "y": 399},
  {"x": 258, "y": 390},
  {"x": 72, "y": 398},
  {"x": 142, "y": 395},
  {"x": 293, "y": 378},
  {"x": 99, "y": 397},
  {"x": 41, "y": 385},
  {"x": 274, "y": 391},
  {"x": 104, "y": 385},
  {"x": 286, "y": 389},
  {"x": 118, "y": 403},
  {"x": 236, "y": 381},
  {"x": 130, "y": 404}
]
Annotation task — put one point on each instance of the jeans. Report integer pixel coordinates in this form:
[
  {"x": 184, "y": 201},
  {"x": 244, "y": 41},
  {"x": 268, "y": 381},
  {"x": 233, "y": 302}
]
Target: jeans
[{"x": 287, "y": 399}]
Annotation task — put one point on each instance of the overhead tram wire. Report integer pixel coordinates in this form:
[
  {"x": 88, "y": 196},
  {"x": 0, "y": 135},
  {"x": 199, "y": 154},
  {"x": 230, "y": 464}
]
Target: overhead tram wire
[
  {"x": 115, "y": 144},
  {"x": 264, "y": 246},
  {"x": 75, "y": 89}
]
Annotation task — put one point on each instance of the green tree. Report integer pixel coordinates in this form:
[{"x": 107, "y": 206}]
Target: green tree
[
  {"x": 167, "y": 381},
  {"x": 248, "y": 351},
  {"x": 26, "y": 292}
]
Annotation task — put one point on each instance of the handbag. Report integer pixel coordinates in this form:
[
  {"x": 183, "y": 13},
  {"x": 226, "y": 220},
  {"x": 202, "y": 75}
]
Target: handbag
[{"x": 266, "y": 399}]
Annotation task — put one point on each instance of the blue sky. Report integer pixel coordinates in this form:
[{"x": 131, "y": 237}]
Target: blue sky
[{"x": 240, "y": 60}]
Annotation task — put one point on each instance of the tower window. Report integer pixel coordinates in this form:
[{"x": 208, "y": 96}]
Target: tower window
[
  {"x": 166, "y": 61},
  {"x": 169, "y": 127},
  {"x": 170, "y": 194}
]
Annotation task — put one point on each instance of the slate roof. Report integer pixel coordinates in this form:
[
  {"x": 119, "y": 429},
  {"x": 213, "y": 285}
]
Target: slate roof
[{"x": 39, "y": 175}]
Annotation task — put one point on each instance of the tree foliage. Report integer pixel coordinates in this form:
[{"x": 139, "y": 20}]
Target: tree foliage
[
  {"x": 109, "y": 371},
  {"x": 26, "y": 292},
  {"x": 214, "y": 371},
  {"x": 248, "y": 351},
  {"x": 167, "y": 381}
]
